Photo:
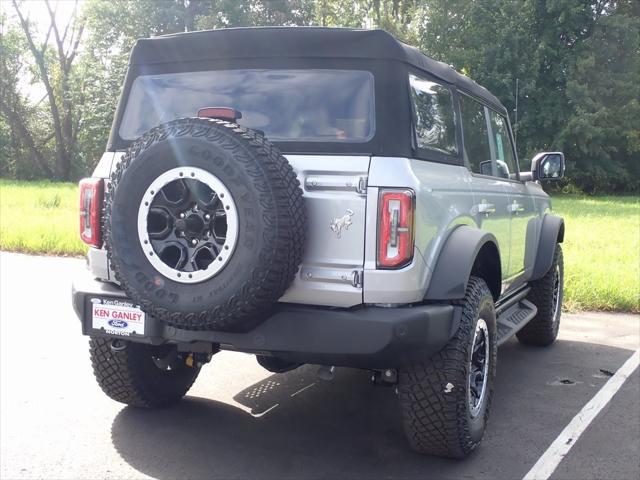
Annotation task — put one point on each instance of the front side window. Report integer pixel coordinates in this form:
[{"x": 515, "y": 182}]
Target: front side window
[
  {"x": 287, "y": 105},
  {"x": 505, "y": 161},
  {"x": 477, "y": 147},
  {"x": 434, "y": 116}
]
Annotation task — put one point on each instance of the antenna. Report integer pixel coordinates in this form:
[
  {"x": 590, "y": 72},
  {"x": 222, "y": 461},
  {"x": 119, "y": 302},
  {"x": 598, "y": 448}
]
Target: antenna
[{"x": 515, "y": 123}]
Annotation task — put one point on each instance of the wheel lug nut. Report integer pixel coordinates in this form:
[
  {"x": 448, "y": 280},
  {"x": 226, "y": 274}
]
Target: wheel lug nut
[
  {"x": 181, "y": 214},
  {"x": 207, "y": 216},
  {"x": 194, "y": 242}
]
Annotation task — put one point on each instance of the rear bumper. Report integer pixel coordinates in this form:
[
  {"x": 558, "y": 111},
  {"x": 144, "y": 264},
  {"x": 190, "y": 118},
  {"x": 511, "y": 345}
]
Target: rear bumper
[{"x": 364, "y": 337}]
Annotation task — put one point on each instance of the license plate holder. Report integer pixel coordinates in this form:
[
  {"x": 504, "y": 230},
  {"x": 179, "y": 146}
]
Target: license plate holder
[{"x": 115, "y": 317}]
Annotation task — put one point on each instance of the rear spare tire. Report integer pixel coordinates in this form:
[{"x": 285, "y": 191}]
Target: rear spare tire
[{"x": 204, "y": 224}]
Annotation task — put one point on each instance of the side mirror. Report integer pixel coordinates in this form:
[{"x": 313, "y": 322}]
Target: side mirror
[
  {"x": 485, "y": 168},
  {"x": 546, "y": 166}
]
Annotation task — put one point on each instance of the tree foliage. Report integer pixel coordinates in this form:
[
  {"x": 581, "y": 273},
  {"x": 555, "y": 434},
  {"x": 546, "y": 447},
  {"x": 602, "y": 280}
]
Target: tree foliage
[
  {"x": 576, "y": 64},
  {"x": 51, "y": 63}
]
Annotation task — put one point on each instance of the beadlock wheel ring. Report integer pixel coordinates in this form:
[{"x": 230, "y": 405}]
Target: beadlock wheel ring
[
  {"x": 478, "y": 368},
  {"x": 557, "y": 280},
  {"x": 182, "y": 232}
]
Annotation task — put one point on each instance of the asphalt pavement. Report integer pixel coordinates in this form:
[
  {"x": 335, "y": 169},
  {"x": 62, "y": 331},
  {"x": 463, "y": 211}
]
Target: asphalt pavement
[{"x": 240, "y": 421}]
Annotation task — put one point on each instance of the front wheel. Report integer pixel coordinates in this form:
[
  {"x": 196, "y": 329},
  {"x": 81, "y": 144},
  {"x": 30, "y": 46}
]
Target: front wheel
[
  {"x": 445, "y": 400},
  {"x": 140, "y": 375},
  {"x": 546, "y": 294}
]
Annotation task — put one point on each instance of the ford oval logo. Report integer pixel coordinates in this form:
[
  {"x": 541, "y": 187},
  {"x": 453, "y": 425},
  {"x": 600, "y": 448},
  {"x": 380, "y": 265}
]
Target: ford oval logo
[{"x": 118, "y": 323}]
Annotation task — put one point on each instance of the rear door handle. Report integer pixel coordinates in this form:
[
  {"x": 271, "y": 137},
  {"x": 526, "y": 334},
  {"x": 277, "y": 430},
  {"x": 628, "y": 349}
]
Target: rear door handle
[{"x": 516, "y": 207}]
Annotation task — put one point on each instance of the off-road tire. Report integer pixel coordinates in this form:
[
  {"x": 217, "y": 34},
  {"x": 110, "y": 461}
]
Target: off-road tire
[
  {"x": 542, "y": 330},
  {"x": 271, "y": 219},
  {"x": 433, "y": 394},
  {"x": 130, "y": 375}
]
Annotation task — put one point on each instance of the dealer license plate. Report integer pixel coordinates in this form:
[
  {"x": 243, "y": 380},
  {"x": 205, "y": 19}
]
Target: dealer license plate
[{"x": 117, "y": 317}]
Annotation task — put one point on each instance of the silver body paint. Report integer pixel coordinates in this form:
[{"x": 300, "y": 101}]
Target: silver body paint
[{"x": 341, "y": 197}]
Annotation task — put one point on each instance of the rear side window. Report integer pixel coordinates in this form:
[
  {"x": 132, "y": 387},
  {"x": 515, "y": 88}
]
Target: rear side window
[
  {"x": 477, "y": 149},
  {"x": 287, "y": 105},
  {"x": 434, "y": 116}
]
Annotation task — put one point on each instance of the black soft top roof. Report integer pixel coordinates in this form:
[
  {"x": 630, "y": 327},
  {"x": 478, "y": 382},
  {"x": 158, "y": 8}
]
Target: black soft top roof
[{"x": 297, "y": 42}]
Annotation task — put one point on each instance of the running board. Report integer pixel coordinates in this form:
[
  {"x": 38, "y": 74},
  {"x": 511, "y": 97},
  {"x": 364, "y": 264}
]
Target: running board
[{"x": 514, "y": 318}]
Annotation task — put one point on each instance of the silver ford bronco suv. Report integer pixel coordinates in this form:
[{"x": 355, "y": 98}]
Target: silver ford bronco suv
[{"x": 316, "y": 196}]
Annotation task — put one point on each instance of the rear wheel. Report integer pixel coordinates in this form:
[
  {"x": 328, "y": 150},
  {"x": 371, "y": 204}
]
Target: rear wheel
[
  {"x": 140, "y": 375},
  {"x": 445, "y": 399},
  {"x": 546, "y": 294}
]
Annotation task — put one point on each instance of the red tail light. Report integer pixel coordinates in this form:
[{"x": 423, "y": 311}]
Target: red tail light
[
  {"x": 223, "y": 113},
  {"x": 91, "y": 196},
  {"x": 395, "y": 228}
]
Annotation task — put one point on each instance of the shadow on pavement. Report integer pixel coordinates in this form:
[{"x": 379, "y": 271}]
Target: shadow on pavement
[{"x": 347, "y": 428}]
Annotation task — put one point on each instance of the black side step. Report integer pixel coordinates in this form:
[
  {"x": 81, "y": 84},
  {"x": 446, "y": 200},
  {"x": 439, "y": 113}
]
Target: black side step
[{"x": 514, "y": 318}]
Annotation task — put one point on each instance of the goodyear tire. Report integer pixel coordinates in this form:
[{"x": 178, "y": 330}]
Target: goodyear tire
[
  {"x": 445, "y": 400},
  {"x": 204, "y": 224}
]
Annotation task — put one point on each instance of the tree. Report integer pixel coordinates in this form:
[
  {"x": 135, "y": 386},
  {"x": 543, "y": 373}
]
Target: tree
[
  {"x": 22, "y": 147},
  {"x": 603, "y": 93},
  {"x": 576, "y": 63},
  {"x": 53, "y": 61},
  {"x": 250, "y": 13},
  {"x": 557, "y": 50}
]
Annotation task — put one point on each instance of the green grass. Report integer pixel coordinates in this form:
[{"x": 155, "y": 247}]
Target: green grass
[
  {"x": 601, "y": 247},
  {"x": 601, "y": 252},
  {"x": 40, "y": 217}
]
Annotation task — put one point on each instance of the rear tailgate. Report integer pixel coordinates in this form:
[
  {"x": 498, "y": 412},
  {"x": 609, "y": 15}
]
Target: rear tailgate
[{"x": 335, "y": 189}]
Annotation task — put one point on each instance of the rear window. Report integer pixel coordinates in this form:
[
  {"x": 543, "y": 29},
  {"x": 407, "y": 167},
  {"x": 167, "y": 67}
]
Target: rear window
[{"x": 287, "y": 105}]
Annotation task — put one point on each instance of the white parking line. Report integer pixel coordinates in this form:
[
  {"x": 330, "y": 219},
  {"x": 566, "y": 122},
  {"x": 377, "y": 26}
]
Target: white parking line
[{"x": 550, "y": 459}]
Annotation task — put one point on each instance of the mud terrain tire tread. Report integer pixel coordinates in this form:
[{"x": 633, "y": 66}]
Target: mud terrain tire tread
[
  {"x": 433, "y": 393},
  {"x": 542, "y": 330},
  {"x": 130, "y": 376},
  {"x": 282, "y": 243}
]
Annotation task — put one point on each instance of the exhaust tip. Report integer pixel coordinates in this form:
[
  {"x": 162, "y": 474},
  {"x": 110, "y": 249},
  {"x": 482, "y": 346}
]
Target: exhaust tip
[{"x": 118, "y": 345}]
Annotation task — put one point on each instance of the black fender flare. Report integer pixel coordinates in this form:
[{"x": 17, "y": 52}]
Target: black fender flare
[
  {"x": 552, "y": 232},
  {"x": 456, "y": 260}
]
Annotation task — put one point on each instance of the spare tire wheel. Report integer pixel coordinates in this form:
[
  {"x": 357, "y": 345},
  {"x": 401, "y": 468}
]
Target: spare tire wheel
[{"x": 204, "y": 224}]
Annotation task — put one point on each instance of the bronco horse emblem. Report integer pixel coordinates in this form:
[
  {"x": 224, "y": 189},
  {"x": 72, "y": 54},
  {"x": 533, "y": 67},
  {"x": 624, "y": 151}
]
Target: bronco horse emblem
[{"x": 337, "y": 224}]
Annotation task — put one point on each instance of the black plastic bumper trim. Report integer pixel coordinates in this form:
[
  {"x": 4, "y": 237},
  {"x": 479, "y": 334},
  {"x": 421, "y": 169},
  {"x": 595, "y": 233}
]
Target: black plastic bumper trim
[{"x": 365, "y": 337}]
